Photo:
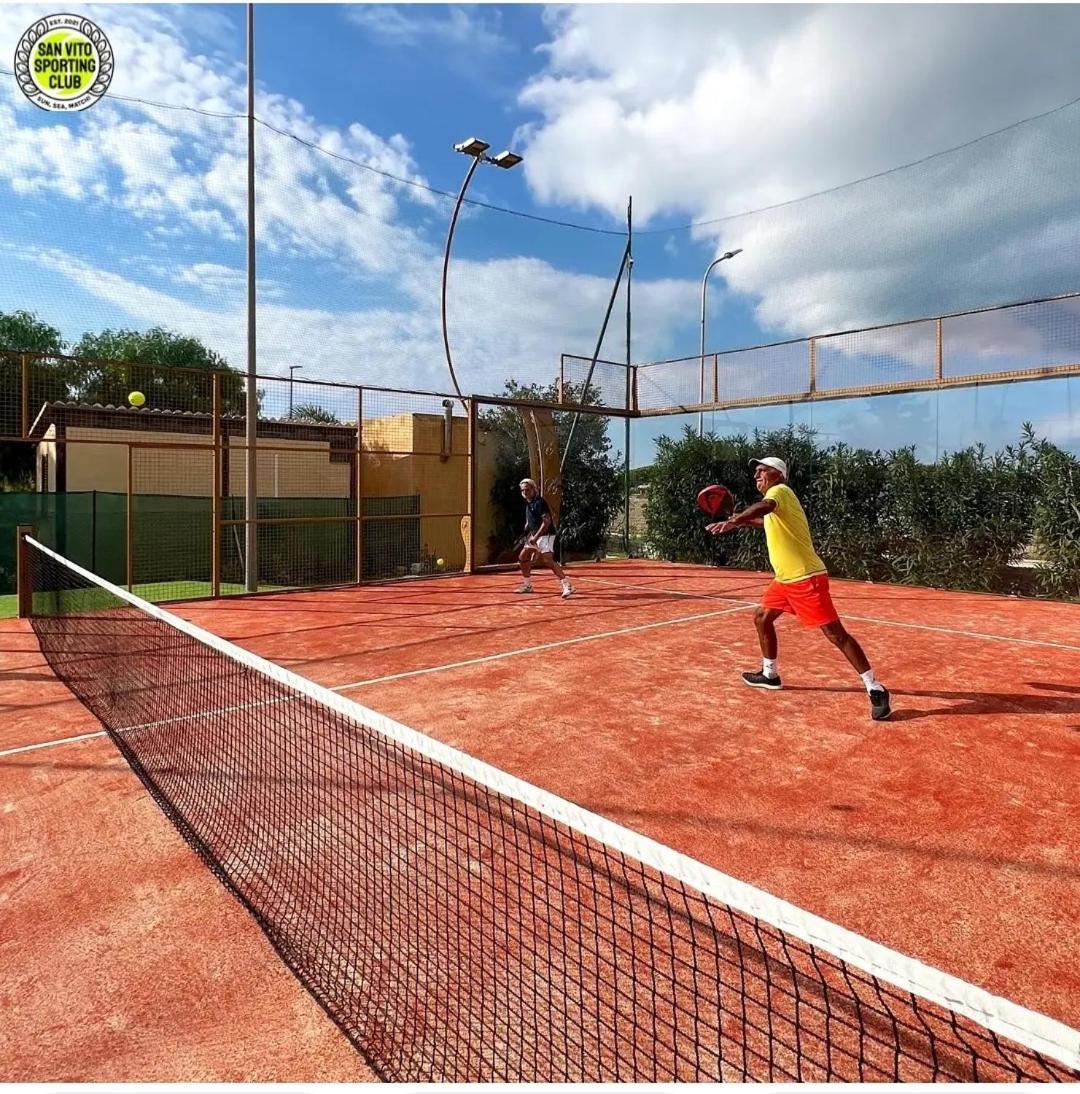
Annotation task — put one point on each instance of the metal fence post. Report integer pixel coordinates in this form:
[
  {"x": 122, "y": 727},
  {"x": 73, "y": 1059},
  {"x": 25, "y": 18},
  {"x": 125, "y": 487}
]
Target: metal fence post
[{"x": 215, "y": 501}]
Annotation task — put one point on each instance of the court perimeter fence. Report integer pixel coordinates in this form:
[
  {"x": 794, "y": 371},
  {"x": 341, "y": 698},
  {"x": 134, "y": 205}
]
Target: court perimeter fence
[{"x": 356, "y": 483}]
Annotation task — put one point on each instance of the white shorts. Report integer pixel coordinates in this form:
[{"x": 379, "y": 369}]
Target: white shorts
[{"x": 545, "y": 545}]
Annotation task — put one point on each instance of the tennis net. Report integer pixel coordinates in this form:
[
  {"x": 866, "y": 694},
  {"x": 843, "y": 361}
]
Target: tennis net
[{"x": 459, "y": 924}]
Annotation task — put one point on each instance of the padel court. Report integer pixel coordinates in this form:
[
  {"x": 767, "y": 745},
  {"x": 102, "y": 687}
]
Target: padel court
[{"x": 947, "y": 833}]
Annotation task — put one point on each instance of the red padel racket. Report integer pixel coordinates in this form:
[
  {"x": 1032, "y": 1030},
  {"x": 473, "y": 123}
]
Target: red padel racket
[{"x": 716, "y": 501}]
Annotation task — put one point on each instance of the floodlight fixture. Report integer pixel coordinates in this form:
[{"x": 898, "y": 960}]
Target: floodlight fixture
[
  {"x": 506, "y": 160},
  {"x": 472, "y": 146}
]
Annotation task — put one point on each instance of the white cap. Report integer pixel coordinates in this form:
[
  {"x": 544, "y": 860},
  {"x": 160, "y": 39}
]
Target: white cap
[{"x": 774, "y": 462}]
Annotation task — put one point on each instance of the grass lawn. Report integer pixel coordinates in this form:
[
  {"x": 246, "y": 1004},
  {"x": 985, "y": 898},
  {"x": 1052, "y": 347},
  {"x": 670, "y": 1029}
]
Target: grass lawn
[{"x": 155, "y": 592}]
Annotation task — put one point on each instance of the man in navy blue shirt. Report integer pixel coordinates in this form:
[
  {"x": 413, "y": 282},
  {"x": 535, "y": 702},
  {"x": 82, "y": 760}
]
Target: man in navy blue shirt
[{"x": 539, "y": 539}]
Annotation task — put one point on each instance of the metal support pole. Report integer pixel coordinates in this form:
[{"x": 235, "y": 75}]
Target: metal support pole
[
  {"x": 215, "y": 501},
  {"x": 939, "y": 352},
  {"x": 25, "y": 369},
  {"x": 129, "y": 525},
  {"x": 251, "y": 410},
  {"x": 445, "y": 267},
  {"x": 359, "y": 485},
  {"x": 470, "y": 545},
  {"x": 626, "y": 421},
  {"x": 596, "y": 353}
]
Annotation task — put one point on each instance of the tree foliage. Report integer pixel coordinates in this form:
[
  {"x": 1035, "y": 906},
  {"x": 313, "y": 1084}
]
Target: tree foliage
[
  {"x": 963, "y": 522},
  {"x": 312, "y": 412},
  {"x": 163, "y": 365},
  {"x": 592, "y": 478},
  {"x": 23, "y": 332}
]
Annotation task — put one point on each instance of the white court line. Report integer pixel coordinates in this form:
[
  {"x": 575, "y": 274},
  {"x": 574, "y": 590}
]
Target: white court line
[
  {"x": 385, "y": 679},
  {"x": 538, "y": 649},
  {"x": 865, "y": 618},
  {"x": 605, "y": 634},
  {"x": 50, "y": 744},
  {"x": 965, "y": 634}
]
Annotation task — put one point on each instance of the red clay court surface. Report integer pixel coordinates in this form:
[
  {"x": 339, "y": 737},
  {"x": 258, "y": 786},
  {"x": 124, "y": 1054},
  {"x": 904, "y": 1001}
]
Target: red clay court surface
[{"x": 948, "y": 833}]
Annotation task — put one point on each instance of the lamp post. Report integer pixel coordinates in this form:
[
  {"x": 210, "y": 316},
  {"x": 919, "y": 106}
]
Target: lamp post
[
  {"x": 704, "y": 283},
  {"x": 292, "y": 369},
  {"x": 477, "y": 149}
]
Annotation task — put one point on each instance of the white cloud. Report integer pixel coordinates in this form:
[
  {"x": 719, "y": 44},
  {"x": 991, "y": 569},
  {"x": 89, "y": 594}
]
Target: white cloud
[
  {"x": 702, "y": 111},
  {"x": 476, "y": 28}
]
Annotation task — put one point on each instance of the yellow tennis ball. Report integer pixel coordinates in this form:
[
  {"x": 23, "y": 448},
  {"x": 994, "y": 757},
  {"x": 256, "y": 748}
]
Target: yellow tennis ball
[
  {"x": 440, "y": 562},
  {"x": 136, "y": 398}
]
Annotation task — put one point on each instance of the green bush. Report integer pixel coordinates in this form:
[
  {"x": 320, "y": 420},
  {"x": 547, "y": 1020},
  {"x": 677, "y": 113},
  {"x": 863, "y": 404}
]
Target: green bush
[
  {"x": 964, "y": 522},
  {"x": 1056, "y": 522}
]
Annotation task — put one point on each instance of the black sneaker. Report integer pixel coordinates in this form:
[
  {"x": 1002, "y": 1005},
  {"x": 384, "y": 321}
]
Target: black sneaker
[
  {"x": 879, "y": 705},
  {"x": 760, "y": 680}
]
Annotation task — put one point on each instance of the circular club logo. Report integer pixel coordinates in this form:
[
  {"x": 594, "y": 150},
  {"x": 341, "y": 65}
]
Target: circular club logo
[{"x": 64, "y": 62}]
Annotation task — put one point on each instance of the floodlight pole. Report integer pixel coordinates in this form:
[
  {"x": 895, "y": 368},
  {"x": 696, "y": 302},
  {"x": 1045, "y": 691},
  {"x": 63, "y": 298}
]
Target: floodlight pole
[
  {"x": 476, "y": 149},
  {"x": 626, "y": 420},
  {"x": 704, "y": 284},
  {"x": 251, "y": 407}
]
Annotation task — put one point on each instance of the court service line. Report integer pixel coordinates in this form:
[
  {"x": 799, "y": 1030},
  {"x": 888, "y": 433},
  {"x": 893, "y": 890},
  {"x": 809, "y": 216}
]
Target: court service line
[
  {"x": 49, "y": 744},
  {"x": 867, "y": 619},
  {"x": 1013, "y": 639},
  {"x": 386, "y": 679},
  {"x": 538, "y": 649}
]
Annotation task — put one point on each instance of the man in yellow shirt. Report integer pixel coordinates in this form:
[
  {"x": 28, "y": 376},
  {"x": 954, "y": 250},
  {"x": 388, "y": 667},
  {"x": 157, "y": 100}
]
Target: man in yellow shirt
[{"x": 800, "y": 585}]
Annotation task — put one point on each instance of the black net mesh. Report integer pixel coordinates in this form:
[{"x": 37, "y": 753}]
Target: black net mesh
[{"x": 455, "y": 932}]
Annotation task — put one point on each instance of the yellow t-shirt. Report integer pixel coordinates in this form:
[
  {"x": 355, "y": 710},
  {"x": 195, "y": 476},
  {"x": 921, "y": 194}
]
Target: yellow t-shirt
[{"x": 787, "y": 535}]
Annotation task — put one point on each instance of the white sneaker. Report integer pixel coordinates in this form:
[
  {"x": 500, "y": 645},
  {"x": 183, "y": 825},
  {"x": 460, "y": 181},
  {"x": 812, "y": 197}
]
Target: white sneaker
[
  {"x": 524, "y": 587},
  {"x": 567, "y": 589}
]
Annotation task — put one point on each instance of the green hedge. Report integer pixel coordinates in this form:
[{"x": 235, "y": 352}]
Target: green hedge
[{"x": 965, "y": 522}]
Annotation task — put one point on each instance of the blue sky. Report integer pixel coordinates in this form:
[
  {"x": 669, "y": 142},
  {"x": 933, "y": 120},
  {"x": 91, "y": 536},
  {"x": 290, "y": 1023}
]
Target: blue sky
[{"x": 133, "y": 215}]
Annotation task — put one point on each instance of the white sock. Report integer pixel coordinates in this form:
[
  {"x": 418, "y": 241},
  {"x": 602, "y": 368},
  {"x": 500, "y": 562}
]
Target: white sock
[
  {"x": 871, "y": 681},
  {"x": 768, "y": 667},
  {"x": 566, "y": 583}
]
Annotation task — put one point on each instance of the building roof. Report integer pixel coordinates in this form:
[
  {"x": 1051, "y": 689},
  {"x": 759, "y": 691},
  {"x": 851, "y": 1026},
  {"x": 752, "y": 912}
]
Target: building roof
[{"x": 200, "y": 423}]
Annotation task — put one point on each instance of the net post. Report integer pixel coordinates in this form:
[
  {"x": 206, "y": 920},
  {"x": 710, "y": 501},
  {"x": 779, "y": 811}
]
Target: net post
[
  {"x": 470, "y": 545},
  {"x": 215, "y": 504},
  {"x": 715, "y": 378},
  {"x": 25, "y": 369},
  {"x": 812, "y": 346},
  {"x": 22, "y": 570},
  {"x": 129, "y": 524},
  {"x": 359, "y": 476}
]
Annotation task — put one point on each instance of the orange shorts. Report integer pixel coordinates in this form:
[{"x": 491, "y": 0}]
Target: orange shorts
[{"x": 808, "y": 600}]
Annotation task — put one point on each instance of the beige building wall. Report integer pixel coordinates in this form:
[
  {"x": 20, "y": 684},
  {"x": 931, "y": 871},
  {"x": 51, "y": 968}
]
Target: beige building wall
[
  {"x": 291, "y": 469},
  {"x": 402, "y": 458},
  {"x": 97, "y": 459},
  {"x": 301, "y": 469}
]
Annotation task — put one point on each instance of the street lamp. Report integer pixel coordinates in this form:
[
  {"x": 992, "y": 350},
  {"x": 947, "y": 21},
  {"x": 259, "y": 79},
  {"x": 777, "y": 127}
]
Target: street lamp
[
  {"x": 292, "y": 369},
  {"x": 704, "y": 282},
  {"x": 477, "y": 149}
]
